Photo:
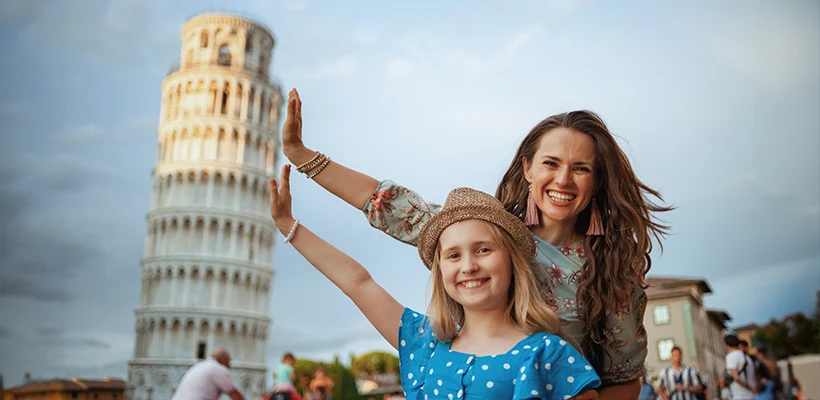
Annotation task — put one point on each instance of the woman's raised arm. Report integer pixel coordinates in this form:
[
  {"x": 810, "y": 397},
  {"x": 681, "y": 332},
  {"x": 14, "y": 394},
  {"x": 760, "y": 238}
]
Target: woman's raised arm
[{"x": 390, "y": 208}]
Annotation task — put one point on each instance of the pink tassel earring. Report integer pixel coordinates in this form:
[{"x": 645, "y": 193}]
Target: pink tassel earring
[
  {"x": 531, "y": 216},
  {"x": 596, "y": 223}
]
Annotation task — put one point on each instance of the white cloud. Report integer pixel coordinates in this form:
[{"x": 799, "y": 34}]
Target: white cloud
[
  {"x": 114, "y": 32},
  {"x": 769, "y": 45},
  {"x": 365, "y": 35},
  {"x": 399, "y": 68},
  {"x": 520, "y": 39},
  {"x": 342, "y": 67},
  {"x": 141, "y": 125},
  {"x": 78, "y": 136},
  {"x": 477, "y": 67},
  {"x": 777, "y": 283},
  {"x": 117, "y": 346},
  {"x": 295, "y": 5},
  {"x": 13, "y": 109},
  {"x": 15, "y": 11}
]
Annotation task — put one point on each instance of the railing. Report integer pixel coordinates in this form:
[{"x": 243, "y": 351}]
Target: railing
[
  {"x": 193, "y": 66},
  {"x": 244, "y": 14}
]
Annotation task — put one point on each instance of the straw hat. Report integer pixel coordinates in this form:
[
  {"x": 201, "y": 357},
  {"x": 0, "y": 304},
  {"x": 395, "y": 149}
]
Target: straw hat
[{"x": 466, "y": 203}]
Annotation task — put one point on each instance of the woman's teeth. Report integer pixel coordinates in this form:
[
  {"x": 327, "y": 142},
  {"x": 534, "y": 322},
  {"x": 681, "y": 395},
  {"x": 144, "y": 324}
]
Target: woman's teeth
[{"x": 561, "y": 197}]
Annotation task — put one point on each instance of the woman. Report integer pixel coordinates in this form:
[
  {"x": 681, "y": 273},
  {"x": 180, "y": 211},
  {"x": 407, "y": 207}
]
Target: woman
[{"x": 589, "y": 214}]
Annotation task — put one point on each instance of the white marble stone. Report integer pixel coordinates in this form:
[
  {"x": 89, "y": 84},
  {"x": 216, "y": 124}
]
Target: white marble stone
[{"x": 207, "y": 266}]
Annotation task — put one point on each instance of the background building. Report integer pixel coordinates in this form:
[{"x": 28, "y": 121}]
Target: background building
[
  {"x": 676, "y": 316},
  {"x": 747, "y": 333},
  {"x": 63, "y": 389},
  {"x": 209, "y": 247}
]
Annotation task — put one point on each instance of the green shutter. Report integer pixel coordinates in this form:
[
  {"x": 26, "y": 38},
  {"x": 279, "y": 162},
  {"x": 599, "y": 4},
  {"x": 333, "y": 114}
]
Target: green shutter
[{"x": 690, "y": 330}]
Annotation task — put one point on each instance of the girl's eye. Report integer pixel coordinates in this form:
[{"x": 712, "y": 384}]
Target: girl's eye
[
  {"x": 452, "y": 256},
  {"x": 483, "y": 250}
]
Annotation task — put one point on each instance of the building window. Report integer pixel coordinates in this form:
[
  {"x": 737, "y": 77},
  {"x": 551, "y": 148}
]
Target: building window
[
  {"x": 200, "y": 351},
  {"x": 665, "y": 349},
  {"x": 661, "y": 314},
  {"x": 224, "y": 56}
]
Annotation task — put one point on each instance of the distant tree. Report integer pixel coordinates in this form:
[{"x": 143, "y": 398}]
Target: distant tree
[
  {"x": 793, "y": 336},
  {"x": 375, "y": 362},
  {"x": 344, "y": 387},
  {"x": 304, "y": 373}
]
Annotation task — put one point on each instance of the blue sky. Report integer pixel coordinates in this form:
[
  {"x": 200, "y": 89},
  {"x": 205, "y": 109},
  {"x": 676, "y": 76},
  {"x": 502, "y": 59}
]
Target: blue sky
[{"x": 716, "y": 103}]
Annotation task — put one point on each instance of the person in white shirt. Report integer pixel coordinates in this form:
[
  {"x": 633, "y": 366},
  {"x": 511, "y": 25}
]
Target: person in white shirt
[
  {"x": 742, "y": 370},
  {"x": 209, "y": 379},
  {"x": 678, "y": 382}
]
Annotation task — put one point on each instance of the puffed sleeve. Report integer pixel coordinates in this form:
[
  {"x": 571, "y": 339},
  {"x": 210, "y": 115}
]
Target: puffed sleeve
[
  {"x": 398, "y": 211},
  {"x": 554, "y": 370},
  {"x": 626, "y": 345},
  {"x": 416, "y": 344}
]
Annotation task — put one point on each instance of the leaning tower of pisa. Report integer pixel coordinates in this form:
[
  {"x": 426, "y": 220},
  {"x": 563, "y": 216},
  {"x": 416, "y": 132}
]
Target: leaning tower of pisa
[{"x": 207, "y": 267}]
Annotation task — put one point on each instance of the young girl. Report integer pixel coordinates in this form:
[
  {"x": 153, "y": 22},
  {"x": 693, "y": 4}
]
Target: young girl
[
  {"x": 488, "y": 333},
  {"x": 284, "y": 376}
]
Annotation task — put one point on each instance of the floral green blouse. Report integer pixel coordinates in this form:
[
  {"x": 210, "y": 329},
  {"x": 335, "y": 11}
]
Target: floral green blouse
[{"x": 400, "y": 213}]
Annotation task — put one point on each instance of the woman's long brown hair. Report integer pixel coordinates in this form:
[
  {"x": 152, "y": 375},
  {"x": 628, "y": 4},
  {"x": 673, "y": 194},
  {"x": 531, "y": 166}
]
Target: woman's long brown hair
[{"x": 620, "y": 259}]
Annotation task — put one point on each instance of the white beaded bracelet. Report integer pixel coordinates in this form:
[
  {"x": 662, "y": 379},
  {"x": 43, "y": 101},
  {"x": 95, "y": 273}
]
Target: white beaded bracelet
[
  {"x": 292, "y": 231},
  {"x": 319, "y": 169}
]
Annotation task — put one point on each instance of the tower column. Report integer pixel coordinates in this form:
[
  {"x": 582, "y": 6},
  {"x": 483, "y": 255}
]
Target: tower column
[{"x": 202, "y": 106}]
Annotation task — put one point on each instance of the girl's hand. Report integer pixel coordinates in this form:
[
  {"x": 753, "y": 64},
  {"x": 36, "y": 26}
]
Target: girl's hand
[{"x": 280, "y": 201}]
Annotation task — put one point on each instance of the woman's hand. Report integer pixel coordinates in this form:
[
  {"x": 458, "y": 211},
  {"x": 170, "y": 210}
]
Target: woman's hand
[
  {"x": 292, "y": 144},
  {"x": 280, "y": 201}
]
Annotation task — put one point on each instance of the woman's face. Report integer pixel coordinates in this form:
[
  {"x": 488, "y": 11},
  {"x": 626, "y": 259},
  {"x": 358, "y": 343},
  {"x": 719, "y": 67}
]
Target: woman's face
[{"x": 562, "y": 174}]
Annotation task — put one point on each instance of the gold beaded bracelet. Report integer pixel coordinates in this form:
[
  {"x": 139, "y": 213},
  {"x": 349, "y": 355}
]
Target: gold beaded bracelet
[
  {"x": 316, "y": 160},
  {"x": 318, "y": 170}
]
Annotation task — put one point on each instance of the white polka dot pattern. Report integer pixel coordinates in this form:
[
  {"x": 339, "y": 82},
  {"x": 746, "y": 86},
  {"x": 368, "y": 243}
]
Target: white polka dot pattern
[{"x": 524, "y": 371}]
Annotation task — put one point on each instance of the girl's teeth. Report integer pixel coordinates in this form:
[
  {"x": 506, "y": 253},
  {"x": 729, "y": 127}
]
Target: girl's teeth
[{"x": 472, "y": 284}]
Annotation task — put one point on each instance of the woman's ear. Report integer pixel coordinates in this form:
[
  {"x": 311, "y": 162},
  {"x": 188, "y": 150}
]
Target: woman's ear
[{"x": 527, "y": 169}]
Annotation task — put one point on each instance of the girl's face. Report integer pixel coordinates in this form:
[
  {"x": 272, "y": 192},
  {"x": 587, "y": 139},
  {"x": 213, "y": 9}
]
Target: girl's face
[{"x": 475, "y": 267}]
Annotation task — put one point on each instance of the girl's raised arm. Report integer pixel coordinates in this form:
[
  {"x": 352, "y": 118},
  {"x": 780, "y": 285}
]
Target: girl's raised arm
[{"x": 380, "y": 308}]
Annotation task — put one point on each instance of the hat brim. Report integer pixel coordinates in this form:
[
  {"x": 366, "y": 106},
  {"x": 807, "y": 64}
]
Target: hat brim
[{"x": 431, "y": 231}]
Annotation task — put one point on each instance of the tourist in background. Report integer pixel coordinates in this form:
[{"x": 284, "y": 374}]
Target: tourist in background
[
  {"x": 678, "y": 381},
  {"x": 209, "y": 379},
  {"x": 284, "y": 377}
]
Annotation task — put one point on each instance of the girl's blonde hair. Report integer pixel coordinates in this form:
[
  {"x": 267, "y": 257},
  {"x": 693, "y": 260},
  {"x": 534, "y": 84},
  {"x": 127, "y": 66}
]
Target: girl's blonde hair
[{"x": 526, "y": 304}]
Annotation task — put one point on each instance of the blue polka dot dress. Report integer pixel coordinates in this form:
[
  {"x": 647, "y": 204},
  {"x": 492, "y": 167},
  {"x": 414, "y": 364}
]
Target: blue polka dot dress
[{"x": 542, "y": 366}]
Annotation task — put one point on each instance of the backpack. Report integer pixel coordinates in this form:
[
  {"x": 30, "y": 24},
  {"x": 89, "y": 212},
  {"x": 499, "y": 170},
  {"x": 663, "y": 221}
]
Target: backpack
[
  {"x": 702, "y": 394},
  {"x": 727, "y": 376}
]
